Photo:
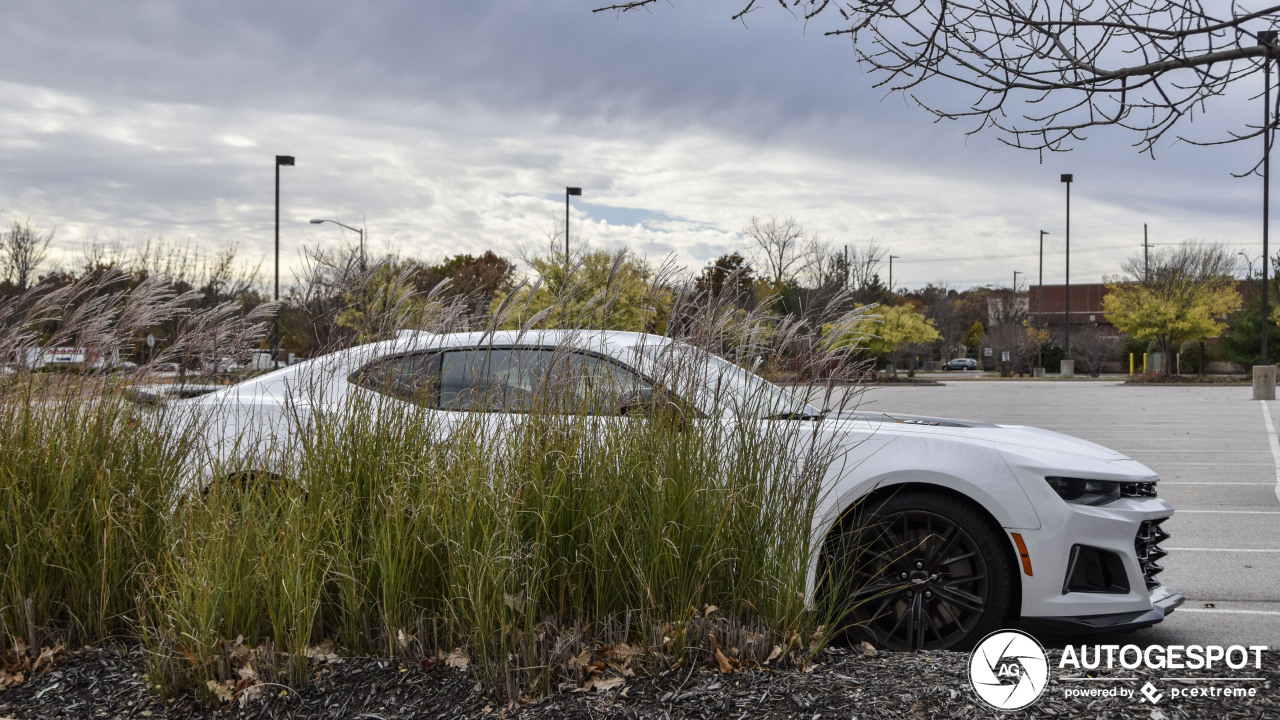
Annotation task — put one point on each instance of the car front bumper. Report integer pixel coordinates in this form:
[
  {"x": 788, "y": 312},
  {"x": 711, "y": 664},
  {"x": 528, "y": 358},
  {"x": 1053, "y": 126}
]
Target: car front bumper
[{"x": 1163, "y": 602}]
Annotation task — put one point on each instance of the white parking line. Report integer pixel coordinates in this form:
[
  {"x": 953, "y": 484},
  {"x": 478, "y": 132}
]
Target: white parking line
[
  {"x": 1210, "y": 482},
  {"x": 1275, "y": 444},
  {"x": 1229, "y": 612},
  {"x": 1233, "y": 512},
  {"x": 1249, "y": 550}
]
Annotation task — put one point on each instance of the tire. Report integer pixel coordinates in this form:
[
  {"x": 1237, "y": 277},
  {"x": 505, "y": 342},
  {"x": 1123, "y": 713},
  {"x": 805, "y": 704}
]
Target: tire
[{"x": 920, "y": 570}]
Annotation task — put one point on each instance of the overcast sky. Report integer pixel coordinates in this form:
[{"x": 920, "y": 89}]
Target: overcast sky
[{"x": 450, "y": 127}]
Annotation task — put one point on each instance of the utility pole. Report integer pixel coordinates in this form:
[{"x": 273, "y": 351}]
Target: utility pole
[
  {"x": 891, "y": 259},
  {"x": 286, "y": 160},
  {"x": 567, "y": 192},
  {"x": 1146, "y": 257},
  {"x": 1040, "y": 304},
  {"x": 1266, "y": 37},
  {"x": 1066, "y": 316}
]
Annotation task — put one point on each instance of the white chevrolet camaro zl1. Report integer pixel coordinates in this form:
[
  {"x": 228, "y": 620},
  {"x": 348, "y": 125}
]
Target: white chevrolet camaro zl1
[{"x": 977, "y": 525}]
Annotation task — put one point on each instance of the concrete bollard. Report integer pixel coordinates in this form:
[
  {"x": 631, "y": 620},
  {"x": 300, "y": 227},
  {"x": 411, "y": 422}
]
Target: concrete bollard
[
  {"x": 1264, "y": 382},
  {"x": 1068, "y": 368}
]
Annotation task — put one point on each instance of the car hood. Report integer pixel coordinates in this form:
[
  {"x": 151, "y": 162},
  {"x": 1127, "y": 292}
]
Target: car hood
[{"x": 1011, "y": 437}]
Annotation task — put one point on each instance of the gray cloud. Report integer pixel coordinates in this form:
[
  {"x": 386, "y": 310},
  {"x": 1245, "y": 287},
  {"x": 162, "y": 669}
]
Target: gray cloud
[{"x": 454, "y": 127}]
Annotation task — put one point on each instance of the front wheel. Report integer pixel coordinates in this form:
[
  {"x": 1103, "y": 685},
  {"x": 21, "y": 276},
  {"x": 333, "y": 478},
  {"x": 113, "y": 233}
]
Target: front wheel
[{"x": 922, "y": 570}]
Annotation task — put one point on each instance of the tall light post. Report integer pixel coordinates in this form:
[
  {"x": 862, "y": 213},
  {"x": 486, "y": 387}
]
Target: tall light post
[
  {"x": 317, "y": 221},
  {"x": 275, "y": 343},
  {"x": 567, "y": 192},
  {"x": 1066, "y": 316},
  {"x": 1016, "y": 273},
  {"x": 1268, "y": 38},
  {"x": 1040, "y": 287},
  {"x": 891, "y": 259},
  {"x": 1248, "y": 260}
]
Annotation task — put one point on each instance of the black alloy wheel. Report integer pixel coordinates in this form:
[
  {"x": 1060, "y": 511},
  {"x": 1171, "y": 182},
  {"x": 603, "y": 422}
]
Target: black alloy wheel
[{"x": 924, "y": 571}]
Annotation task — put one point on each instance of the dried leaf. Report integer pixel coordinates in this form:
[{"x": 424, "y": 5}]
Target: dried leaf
[
  {"x": 47, "y": 657},
  {"x": 323, "y": 652},
  {"x": 868, "y": 649},
  {"x": 403, "y": 638},
  {"x": 251, "y": 693},
  {"x": 8, "y": 679},
  {"x": 605, "y": 684},
  {"x": 458, "y": 659},
  {"x": 706, "y": 613},
  {"x": 623, "y": 652},
  {"x": 515, "y": 602},
  {"x": 581, "y": 662},
  {"x": 726, "y": 665},
  {"x": 223, "y": 691},
  {"x": 777, "y": 653}
]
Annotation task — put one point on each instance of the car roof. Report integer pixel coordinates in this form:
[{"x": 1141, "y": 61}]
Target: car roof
[{"x": 609, "y": 341}]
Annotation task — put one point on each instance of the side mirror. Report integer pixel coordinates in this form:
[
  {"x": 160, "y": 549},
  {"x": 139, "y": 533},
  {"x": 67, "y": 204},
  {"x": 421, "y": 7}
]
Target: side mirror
[{"x": 637, "y": 402}]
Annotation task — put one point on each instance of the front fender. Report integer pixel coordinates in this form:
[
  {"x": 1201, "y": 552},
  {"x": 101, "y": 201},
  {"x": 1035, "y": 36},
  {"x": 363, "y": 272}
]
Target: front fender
[{"x": 973, "y": 469}]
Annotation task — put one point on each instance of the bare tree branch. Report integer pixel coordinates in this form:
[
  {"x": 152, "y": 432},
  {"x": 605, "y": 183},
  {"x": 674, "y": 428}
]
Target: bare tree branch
[{"x": 1041, "y": 72}]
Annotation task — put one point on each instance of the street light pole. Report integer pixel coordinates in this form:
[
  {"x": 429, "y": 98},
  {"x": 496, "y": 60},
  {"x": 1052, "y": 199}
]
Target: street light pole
[
  {"x": 275, "y": 343},
  {"x": 1066, "y": 345},
  {"x": 317, "y": 221},
  {"x": 1268, "y": 38},
  {"x": 567, "y": 192},
  {"x": 891, "y": 259},
  {"x": 1040, "y": 303}
]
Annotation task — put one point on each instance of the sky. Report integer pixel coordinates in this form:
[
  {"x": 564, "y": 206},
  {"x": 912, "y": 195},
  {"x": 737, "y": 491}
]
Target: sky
[{"x": 454, "y": 127}]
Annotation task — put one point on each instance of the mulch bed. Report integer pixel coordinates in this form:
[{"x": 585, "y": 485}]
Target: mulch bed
[
  {"x": 1156, "y": 379},
  {"x": 844, "y": 683}
]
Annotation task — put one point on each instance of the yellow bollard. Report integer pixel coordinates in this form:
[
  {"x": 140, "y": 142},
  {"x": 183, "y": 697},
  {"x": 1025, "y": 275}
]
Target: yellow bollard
[
  {"x": 1130, "y": 363},
  {"x": 1144, "y": 363}
]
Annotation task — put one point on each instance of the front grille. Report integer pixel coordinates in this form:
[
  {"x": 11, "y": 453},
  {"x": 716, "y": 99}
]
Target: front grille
[
  {"x": 1147, "y": 544},
  {"x": 1138, "y": 489}
]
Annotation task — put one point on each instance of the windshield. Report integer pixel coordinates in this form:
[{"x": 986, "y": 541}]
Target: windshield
[{"x": 718, "y": 386}]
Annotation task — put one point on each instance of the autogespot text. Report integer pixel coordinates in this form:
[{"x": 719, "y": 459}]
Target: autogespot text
[{"x": 1162, "y": 657}]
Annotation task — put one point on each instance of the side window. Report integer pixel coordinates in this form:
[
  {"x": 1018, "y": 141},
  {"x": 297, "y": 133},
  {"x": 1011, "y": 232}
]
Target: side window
[
  {"x": 497, "y": 380},
  {"x": 407, "y": 377},
  {"x": 527, "y": 379}
]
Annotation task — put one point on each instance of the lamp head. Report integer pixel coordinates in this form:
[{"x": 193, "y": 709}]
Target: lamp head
[
  {"x": 1067, "y": 177},
  {"x": 316, "y": 221},
  {"x": 284, "y": 160},
  {"x": 573, "y": 191}
]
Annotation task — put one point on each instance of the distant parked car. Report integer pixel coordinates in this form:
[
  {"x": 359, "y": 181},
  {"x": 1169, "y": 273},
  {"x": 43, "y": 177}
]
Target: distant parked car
[{"x": 961, "y": 364}]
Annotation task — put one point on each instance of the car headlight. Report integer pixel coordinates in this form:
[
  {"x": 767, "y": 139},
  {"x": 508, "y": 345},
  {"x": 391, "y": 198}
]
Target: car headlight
[{"x": 1085, "y": 492}]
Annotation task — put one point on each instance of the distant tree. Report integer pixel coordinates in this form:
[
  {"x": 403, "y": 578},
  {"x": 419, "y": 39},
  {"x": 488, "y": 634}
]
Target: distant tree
[
  {"x": 885, "y": 330},
  {"x": 731, "y": 270},
  {"x": 614, "y": 291},
  {"x": 940, "y": 307},
  {"x": 974, "y": 336},
  {"x": 1092, "y": 349},
  {"x": 24, "y": 247},
  {"x": 1242, "y": 340},
  {"x": 1012, "y": 338},
  {"x": 1187, "y": 293},
  {"x": 781, "y": 249}
]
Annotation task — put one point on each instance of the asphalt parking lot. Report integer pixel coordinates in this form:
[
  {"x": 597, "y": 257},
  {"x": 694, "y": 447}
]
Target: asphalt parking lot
[{"x": 1216, "y": 452}]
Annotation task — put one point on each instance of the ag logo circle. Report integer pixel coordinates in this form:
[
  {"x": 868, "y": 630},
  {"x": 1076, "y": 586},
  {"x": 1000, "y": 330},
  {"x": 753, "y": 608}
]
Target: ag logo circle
[{"x": 1008, "y": 670}]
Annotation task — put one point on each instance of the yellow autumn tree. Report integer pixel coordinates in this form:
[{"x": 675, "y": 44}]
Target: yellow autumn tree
[
  {"x": 1185, "y": 293},
  {"x": 883, "y": 330},
  {"x": 613, "y": 291}
]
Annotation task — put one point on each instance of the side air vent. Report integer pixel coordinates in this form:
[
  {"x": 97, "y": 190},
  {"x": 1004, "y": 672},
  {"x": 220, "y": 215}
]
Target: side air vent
[{"x": 1147, "y": 545}]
